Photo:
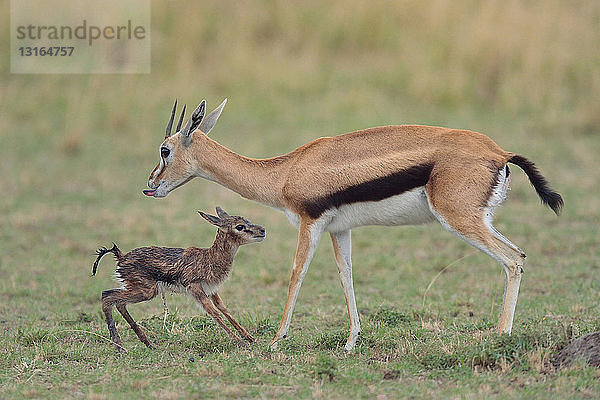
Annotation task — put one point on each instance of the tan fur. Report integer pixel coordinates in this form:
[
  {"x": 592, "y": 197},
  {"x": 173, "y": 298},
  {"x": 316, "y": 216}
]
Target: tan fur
[
  {"x": 322, "y": 165},
  {"x": 464, "y": 168}
]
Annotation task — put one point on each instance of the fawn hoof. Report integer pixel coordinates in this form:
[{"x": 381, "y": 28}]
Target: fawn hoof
[{"x": 249, "y": 339}]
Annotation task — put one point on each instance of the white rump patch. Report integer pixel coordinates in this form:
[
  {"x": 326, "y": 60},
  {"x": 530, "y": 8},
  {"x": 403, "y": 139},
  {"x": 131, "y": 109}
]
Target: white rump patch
[
  {"x": 499, "y": 191},
  {"x": 498, "y": 196}
]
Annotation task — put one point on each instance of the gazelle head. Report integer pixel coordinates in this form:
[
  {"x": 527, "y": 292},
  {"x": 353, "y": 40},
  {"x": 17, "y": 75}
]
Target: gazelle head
[
  {"x": 177, "y": 164},
  {"x": 238, "y": 228}
]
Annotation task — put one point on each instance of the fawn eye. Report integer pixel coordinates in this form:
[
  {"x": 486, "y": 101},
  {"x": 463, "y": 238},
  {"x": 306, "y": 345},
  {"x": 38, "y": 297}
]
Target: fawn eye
[
  {"x": 164, "y": 152},
  {"x": 240, "y": 227}
]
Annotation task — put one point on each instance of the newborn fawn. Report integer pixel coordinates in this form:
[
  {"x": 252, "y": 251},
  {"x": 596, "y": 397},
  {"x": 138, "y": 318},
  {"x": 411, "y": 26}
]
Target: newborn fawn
[{"x": 147, "y": 270}]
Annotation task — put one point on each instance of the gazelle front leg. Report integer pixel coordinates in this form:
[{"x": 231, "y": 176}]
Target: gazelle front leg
[
  {"x": 308, "y": 239},
  {"x": 342, "y": 248}
]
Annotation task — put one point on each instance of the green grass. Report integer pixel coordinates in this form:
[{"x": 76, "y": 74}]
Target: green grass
[{"x": 77, "y": 151}]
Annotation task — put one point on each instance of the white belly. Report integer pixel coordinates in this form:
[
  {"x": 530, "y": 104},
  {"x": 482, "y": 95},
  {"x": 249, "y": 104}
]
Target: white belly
[{"x": 408, "y": 208}]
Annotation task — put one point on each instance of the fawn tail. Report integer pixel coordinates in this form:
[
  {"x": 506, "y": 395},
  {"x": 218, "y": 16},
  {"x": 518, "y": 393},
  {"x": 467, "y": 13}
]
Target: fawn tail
[{"x": 102, "y": 251}]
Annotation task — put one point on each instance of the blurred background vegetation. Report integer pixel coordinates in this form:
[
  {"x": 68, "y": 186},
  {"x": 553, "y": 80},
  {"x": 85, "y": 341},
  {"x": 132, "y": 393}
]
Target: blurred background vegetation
[
  {"x": 76, "y": 150},
  {"x": 294, "y": 71}
]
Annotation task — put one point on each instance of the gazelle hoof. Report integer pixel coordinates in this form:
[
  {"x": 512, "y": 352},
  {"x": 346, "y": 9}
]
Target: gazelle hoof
[
  {"x": 273, "y": 345},
  {"x": 351, "y": 343}
]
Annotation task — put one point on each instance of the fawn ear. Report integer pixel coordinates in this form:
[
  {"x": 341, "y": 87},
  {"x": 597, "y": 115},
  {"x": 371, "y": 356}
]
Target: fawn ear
[
  {"x": 222, "y": 214},
  {"x": 211, "y": 218}
]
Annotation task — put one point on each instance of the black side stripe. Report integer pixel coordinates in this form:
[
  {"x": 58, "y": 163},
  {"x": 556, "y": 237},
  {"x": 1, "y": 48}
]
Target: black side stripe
[{"x": 373, "y": 190}]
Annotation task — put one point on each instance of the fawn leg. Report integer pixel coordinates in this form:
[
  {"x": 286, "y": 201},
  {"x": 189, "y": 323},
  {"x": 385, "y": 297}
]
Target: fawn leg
[
  {"x": 138, "y": 331},
  {"x": 108, "y": 300},
  {"x": 136, "y": 296},
  {"x": 220, "y": 304},
  {"x": 196, "y": 290}
]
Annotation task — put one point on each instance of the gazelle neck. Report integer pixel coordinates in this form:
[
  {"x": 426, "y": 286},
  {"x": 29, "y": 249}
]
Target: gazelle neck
[{"x": 254, "y": 179}]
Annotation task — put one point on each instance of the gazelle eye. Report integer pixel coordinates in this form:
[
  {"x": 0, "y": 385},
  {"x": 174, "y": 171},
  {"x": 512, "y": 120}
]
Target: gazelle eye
[
  {"x": 164, "y": 152},
  {"x": 240, "y": 227}
]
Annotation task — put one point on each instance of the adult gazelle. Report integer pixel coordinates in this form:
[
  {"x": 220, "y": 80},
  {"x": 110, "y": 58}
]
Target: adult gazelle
[{"x": 390, "y": 175}]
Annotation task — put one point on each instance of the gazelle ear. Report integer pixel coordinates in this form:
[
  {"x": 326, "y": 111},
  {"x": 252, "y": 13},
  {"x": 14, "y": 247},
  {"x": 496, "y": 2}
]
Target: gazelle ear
[
  {"x": 211, "y": 218},
  {"x": 211, "y": 119},
  {"x": 193, "y": 123},
  {"x": 222, "y": 214}
]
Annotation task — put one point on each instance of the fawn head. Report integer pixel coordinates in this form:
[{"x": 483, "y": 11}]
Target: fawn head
[
  {"x": 178, "y": 162},
  {"x": 242, "y": 230}
]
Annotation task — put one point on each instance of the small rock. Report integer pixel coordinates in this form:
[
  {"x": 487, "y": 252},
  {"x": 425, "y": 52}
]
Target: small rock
[{"x": 191, "y": 359}]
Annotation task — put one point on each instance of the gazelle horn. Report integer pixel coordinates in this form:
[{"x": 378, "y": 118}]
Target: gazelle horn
[
  {"x": 170, "y": 124},
  {"x": 180, "y": 119}
]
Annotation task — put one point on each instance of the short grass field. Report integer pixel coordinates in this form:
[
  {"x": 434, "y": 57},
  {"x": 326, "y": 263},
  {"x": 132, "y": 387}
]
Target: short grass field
[{"x": 76, "y": 151}]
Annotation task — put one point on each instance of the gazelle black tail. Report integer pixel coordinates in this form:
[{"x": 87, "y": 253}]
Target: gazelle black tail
[
  {"x": 548, "y": 196},
  {"x": 102, "y": 251}
]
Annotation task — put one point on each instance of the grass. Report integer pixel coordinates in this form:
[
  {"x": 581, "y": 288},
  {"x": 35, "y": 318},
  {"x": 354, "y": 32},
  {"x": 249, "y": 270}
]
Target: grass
[{"x": 77, "y": 150}]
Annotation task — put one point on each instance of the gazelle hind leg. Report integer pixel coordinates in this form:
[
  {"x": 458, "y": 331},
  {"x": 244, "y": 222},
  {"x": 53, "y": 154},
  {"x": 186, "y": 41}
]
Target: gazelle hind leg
[
  {"x": 487, "y": 219},
  {"x": 342, "y": 248},
  {"x": 472, "y": 226},
  {"x": 466, "y": 208}
]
